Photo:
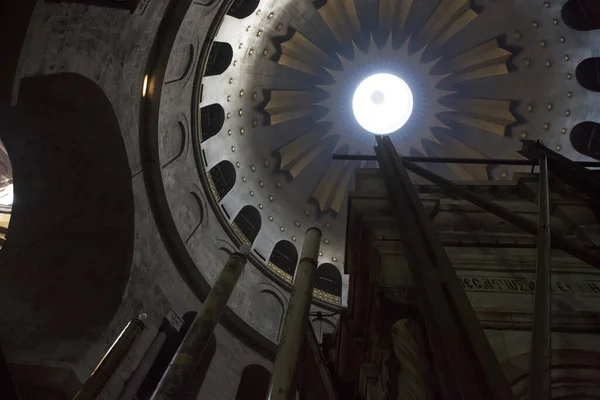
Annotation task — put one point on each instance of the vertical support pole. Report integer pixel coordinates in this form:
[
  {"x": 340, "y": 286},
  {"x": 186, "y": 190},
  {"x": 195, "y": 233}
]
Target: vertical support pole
[
  {"x": 188, "y": 355},
  {"x": 296, "y": 318},
  {"x": 110, "y": 362},
  {"x": 541, "y": 342}
]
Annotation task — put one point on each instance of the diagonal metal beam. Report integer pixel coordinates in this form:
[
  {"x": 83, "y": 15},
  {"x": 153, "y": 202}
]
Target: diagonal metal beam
[
  {"x": 446, "y": 346},
  {"x": 445, "y": 304},
  {"x": 541, "y": 342},
  {"x": 504, "y": 213},
  {"x": 571, "y": 172}
]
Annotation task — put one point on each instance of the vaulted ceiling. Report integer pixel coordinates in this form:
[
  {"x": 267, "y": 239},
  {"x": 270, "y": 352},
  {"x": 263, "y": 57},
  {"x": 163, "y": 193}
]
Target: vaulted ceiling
[{"x": 276, "y": 98}]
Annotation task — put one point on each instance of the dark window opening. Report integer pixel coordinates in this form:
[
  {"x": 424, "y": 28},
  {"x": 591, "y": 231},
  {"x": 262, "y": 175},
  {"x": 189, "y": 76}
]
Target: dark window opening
[
  {"x": 242, "y": 8},
  {"x": 248, "y": 221},
  {"x": 254, "y": 383},
  {"x": 329, "y": 280},
  {"x": 585, "y": 138},
  {"x": 219, "y": 58},
  {"x": 588, "y": 74},
  {"x": 582, "y": 15},
  {"x": 285, "y": 256},
  {"x": 223, "y": 177},
  {"x": 212, "y": 118}
]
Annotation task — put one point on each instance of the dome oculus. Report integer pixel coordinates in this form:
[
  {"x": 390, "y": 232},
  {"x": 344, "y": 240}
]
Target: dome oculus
[{"x": 382, "y": 103}]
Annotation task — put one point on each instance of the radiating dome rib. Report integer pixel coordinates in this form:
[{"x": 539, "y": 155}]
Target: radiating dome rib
[
  {"x": 436, "y": 107},
  {"x": 285, "y": 105}
]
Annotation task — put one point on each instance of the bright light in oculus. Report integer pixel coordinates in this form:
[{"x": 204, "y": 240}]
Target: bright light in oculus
[{"x": 382, "y": 103}]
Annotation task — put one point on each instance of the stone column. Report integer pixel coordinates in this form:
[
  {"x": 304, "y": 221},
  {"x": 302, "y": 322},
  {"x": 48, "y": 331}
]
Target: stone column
[
  {"x": 111, "y": 361},
  {"x": 296, "y": 318},
  {"x": 183, "y": 364}
]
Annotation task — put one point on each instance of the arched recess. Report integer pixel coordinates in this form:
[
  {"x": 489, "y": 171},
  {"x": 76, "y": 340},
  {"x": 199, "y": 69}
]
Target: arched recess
[
  {"x": 219, "y": 58},
  {"x": 247, "y": 224},
  {"x": 322, "y": 327},
  {"x": 581, "y": 15},
  {"x": 222, "y": 177},
  {"x": 588, "y": 74},
  {"x": 254, "y": 383},
  {"x": 329, "y": 280},
  {"x": 71, "y": 238},
  {"x": 242, "y": 8},
  {"x": 284, "y": 257},
  {"x": 585, "y": 138},
  {"x": 271, "y": 309},
  {"x": 212, "y": 118}
]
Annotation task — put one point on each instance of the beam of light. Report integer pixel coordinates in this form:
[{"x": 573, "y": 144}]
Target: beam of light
[{"x": 382, "y": 103}]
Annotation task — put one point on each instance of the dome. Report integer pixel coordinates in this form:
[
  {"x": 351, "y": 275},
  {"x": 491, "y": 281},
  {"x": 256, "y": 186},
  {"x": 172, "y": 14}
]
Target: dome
[{"x": 277, "y": 92}]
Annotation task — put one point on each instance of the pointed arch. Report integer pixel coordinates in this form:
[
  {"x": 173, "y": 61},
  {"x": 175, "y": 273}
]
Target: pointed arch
[
  {"x": 222, "y": 178},
  {"x": 241, "y": 9},
  {"x": 585, "y": 138},
  {"x": 581, "y": 15},
  {"x": 247, "y": 224},
  {"x": 285, "y": 257},
  {"x": 329, "y": 279},
  {"x": 588, "y": 74},
  {"x": 219, "y": 58},
  {"x": 212, "y": 118}
]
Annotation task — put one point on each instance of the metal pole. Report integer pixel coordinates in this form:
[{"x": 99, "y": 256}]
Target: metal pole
[
  {"x": 510, "y": 216},
  {"x": 137, "y": 377},
  {"x": 181, "y": 368},
  {"x": 110, "y": 362},
  {"x": 296, "y": 317},
  {"x": 541, "y": 342},
  {"x": 458, "y": 160}
]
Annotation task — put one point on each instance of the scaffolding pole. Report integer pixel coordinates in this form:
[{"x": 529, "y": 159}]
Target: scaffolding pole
[
  {"x": 94, "y": 385},
  {"x": 296, "y": 318},
  {"x": 467, "y": 366},
  {"x": 182, "y": 366},
  {"x": 541, "y": 342}
]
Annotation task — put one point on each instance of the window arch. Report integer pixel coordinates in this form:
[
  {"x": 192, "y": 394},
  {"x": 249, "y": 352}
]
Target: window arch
[
  {"x": 588, "y": 74},
  {"x": 581, "y": 15},
  {"x": 585, "y": 138},
  {"x": 212, "y": 118},
  {"x": 247, "y": 223},
  {"x": 219, "y": 58},
  {"x": 285, "y": 257},
  {"x": 242, "y": 8},
  {"x": 329, "y": 279},
  {"x": 254, "y": 383},
  {"x": 223, "y": 178}
]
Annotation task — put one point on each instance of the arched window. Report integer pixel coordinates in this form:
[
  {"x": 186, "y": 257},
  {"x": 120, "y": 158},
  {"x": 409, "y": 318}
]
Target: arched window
[
  {"x": 254, "y": 383},
  {"x": 285, "y": 257},
  {"x": 247, "y": 223},
  {"x": 212, "y": 118},
  {"x": 585, "y": 138},
  {"x": 242, "y": 8},
  {"x": 588, "y": 74},
  {"x": 329, "y": 279},
  {"x": 223, "y": 178},
  {"x": 582, "y": 15},
  {"x": 219, "y": 58}
]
